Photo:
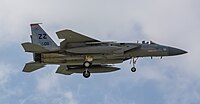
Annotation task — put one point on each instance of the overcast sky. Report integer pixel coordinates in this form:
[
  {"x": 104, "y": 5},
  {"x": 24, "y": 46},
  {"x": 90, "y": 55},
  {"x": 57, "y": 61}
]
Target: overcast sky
[{"x": 171, "y": 80}]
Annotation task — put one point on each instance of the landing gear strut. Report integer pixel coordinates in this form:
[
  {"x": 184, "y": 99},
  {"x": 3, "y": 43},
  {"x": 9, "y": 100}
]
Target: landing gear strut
[{"x": 133, "y": 69}]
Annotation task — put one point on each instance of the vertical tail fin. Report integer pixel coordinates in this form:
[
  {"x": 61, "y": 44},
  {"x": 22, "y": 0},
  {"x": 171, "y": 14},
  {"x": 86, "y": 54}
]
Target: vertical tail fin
[{"x": 40, "y": 37}]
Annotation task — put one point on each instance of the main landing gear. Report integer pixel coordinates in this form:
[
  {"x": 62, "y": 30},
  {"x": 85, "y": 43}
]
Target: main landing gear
[
  {"x": 87, "y": 64},
  {"x": 86, "y": 73},
  {"x": 133, "y": 69}
]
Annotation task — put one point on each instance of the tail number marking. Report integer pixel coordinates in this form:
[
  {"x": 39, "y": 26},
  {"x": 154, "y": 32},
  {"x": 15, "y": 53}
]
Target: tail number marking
[{"x": 45, "y": 43}]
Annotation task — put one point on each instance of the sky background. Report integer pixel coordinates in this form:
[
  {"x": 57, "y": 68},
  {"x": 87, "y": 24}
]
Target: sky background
[{"x": 171, "y": 80}]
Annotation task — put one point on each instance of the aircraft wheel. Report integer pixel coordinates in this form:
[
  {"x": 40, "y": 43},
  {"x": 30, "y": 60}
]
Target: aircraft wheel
[
  {"x": 86, "y": 74},
  {"x": 87, "y": 64},
  {"x": 133, "y": 69}
]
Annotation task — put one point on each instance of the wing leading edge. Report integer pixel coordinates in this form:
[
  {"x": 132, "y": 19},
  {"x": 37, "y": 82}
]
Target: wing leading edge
[{"x": 73, "y": 37}]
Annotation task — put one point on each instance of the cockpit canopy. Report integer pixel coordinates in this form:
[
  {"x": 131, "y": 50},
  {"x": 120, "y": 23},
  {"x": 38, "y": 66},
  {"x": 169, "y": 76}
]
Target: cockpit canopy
[{"x": 148, "y": 42}]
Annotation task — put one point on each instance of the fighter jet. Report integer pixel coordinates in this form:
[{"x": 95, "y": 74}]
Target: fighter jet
[{"x": 79, "y": 53}]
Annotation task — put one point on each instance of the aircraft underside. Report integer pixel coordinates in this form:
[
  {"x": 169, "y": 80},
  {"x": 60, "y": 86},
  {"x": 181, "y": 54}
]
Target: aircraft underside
[{"x": 54, "y": 58}]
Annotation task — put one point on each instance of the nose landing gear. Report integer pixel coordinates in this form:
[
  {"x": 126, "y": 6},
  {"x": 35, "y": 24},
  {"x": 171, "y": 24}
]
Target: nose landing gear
[{"x": 133, "y": 69}]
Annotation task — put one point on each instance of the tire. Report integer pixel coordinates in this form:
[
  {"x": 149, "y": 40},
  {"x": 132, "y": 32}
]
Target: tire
[
  {"x": 87, "y": 64},
  {"x": 133, "y": 69},
  {"x": 86, "y": 74}
]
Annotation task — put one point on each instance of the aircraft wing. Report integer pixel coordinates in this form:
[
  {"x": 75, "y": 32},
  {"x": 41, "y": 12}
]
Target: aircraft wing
[{"x": 74, "y": 37}]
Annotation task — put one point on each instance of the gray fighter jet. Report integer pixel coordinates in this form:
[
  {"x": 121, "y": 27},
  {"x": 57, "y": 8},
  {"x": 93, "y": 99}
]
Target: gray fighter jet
[{"x": 78, "y": 53}]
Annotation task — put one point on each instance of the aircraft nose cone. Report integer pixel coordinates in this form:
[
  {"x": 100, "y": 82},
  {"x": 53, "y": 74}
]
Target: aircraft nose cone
[{"x": 176, "y": 51}]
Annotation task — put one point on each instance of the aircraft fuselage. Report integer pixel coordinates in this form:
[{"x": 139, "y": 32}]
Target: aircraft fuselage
[{"x": 108, "y": 54}]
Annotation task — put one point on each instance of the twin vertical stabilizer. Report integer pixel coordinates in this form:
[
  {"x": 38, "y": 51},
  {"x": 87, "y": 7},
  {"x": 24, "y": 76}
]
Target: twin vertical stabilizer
[
  {"x": 41, "y": 38},
  {"x": 41, "y": 42}
]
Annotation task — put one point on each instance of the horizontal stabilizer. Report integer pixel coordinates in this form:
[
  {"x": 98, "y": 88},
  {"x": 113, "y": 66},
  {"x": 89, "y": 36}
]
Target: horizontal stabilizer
[
  {"x": 62, "y": 69},
  {"x": 30, "y": 47},
  {"x": 32, "y": 66}
]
